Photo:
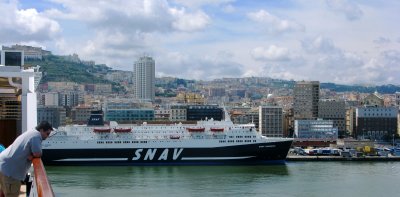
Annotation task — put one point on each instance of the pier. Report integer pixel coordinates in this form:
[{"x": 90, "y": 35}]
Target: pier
[{"x": 341, "y": 158}]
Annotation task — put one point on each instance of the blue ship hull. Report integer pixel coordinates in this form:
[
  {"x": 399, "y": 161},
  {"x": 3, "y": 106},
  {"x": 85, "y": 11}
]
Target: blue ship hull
[{"x": 249, "y": 154}]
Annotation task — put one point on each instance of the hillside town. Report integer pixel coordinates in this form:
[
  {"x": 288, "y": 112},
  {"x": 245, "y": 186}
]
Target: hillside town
[{"x": 314, "y": 116}]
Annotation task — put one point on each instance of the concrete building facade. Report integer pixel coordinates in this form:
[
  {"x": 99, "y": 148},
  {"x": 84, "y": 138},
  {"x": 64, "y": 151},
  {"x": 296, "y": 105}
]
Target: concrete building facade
[
  {"x": 271, "y": 121},
  {"x": 306, "y": 97},
  {"x": 48, "y": 99},
  {"x": 334, "y": 110},
  {"x": 144, "y": 78},
  {"x": 178, "y": 113},
  {"x": 55, "y": 115},
  {"x": 397, "y": 98},
  {"x": 374, "y": 122}
]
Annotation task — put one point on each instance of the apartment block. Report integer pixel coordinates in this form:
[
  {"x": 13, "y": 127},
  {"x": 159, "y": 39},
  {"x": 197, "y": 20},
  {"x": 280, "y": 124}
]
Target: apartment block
[
  {"x": 271, "y": 121},
  {"x": 306, "y": 97},
  {"x": 335, "y": 110}
]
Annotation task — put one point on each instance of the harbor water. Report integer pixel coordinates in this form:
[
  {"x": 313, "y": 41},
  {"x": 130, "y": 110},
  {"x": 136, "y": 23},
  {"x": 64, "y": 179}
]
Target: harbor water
[{"x": 306, "y": 179}]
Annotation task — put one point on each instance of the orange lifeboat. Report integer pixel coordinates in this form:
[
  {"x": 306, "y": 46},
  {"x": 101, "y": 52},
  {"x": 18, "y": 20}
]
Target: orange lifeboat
[
  {"x": 195, "y": 129},
  {"x": 122, "y": 130},
  {"x": 102, "y": 130},
  {"x": 217, "y": 129}
]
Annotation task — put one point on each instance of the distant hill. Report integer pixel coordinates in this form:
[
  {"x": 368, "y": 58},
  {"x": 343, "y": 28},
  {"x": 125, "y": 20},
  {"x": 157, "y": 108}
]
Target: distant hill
[
  {"x": 70, "y": 68},
  {"x": 383, "y": 89},
  {"x": 59, "y": 68}
]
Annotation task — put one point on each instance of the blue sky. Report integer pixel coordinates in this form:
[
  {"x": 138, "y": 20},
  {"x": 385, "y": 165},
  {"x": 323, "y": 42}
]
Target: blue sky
[{"x": 340, "y": 41}]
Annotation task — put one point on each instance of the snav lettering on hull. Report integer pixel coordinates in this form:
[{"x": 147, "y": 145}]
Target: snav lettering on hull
[{"x": 150, "y": 154}]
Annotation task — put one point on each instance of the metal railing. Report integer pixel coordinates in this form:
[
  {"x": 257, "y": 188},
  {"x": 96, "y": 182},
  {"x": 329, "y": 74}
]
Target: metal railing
[{"x": 40, "y": 186}]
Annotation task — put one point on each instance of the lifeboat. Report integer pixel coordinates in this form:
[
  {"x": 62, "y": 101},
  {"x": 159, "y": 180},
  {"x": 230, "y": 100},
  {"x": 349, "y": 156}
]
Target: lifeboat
[
  {"x": 122, "y": 130},
  {"x": 217, "y": 129},
  {"x": 102, "y": 130},
  {"x": 195, "y": 129}
]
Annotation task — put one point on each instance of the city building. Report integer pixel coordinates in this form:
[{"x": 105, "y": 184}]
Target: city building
[
  {"x": 102, "y": 88},
  {"x": 373, "y": 100},
  {"x": 203, "y": 112},
  {"x": 81, "y": 114},
  {"x": 178, "y": 113},
  {"x": 315, "y": 129},
  {"x": 190, "y": 98},
  {"x": 216, "y": 92},
  {"x": 288, "y": 123},
  {"x": 271, "y": 121},
  {"x": 70, "y": 99},
  {"x": 246, "y": 116},
  {"x": 64, "y": 86},
  {"x": 120, "y": 76},
  {"x": 240, "y": 93},
  {"x": 55, "y": 115},
  {"x": 335, "y": 110},
  {"x": 129, "y": 115},
  {"x": 144, "y": 78},
  {"x": 351, "y": 121},
  {"x": 397, "y": 95},
  {"x": 162, "y": 114},
  {"x": 48, "y": 99},
  {"x": 306, "y": 97},
  {"x": 30, "y": 52},
  {"x": 127, "y": 112},
  {"x": 374, "y": 122}
]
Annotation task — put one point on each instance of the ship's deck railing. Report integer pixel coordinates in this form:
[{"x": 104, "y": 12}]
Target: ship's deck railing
[{"x": 40, "y": 186}]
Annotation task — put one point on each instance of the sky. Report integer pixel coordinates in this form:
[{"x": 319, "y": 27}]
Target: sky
[{"x": 339, "y": 41}]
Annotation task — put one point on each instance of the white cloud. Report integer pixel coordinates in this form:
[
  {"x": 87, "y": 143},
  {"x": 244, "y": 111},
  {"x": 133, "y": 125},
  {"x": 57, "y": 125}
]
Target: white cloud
[
  {"x": 206, "y": 39},
  {"x": 382, "y": 40},
  {"x": 320, "y": 44},
  {"x": 189, "y": 22},
  {"x": 273, "y": 53},
  {"x": 273, "y": 23},
  {"x": 123, "y": 30},
  {"x": 25, "y": 25},
  {"x": 382, "y": 69},
  {"x": 199, "y": 3},
  {"x": 205, "y": 67},
  {"x": 131, "y": 16},
  {"x": 347, "y": 7},
  {"x": 228, "y": 8}
]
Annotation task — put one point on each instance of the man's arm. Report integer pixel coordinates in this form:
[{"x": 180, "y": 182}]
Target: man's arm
[
  {"x": 38, "y": 154},
  {"x": 33, "y": 155},
  {"x": 36, "y": 148}
]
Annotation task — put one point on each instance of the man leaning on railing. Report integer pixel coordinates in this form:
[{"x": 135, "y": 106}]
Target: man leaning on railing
[{"x": 17, "y": 158}]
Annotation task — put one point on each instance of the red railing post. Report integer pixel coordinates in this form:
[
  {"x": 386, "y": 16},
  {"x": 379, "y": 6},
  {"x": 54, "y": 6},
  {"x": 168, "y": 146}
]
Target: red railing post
[{"x": 43, "y": 186}]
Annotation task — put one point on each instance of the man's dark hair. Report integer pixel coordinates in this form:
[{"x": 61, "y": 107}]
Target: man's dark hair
[{"x": 44, "y": 125}]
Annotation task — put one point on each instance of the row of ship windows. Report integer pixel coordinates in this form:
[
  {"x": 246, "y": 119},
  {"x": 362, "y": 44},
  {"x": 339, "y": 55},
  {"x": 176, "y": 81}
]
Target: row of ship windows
[
  {"x": 232, "y": 141},
  {"x": 239, "y": 136},
  {"x": 119, "y": 142}
]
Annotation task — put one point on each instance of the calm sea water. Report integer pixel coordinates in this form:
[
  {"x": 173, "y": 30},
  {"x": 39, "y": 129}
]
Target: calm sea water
[{"x": 293, "y": 179}]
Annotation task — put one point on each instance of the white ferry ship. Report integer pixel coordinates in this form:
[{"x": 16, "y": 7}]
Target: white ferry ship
[{"x": 208, "y": 142}]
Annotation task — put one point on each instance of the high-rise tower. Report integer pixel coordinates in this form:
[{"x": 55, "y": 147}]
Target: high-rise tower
[
  {"x": 144, "y": 78},
  {"x": 306, "y": 97}
]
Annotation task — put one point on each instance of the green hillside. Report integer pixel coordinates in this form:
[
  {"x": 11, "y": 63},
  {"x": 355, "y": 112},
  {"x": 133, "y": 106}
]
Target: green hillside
[
  {"x": 60, "y": 69},
  {"x": 56, "y": 68}
]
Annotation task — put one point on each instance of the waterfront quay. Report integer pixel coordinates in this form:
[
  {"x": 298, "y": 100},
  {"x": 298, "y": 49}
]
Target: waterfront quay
[{"x": 341, "y": 158}]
